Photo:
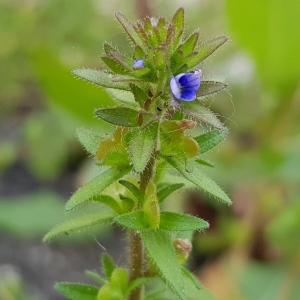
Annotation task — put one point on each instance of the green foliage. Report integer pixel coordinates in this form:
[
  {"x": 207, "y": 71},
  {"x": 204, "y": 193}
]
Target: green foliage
[
  {"x": 150, "y": 133},
  {"x": 95, "y": 187},
  {"x": 77, "y": 291},
  {"x": 162, "y": 254}
]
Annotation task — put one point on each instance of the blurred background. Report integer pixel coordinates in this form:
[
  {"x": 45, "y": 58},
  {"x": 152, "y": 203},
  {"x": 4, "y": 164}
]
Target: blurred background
[{"x": 252, "y": 249}]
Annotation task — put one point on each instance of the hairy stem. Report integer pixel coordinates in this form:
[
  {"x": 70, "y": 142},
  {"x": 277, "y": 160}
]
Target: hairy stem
[{"x": 135, "y": 242}]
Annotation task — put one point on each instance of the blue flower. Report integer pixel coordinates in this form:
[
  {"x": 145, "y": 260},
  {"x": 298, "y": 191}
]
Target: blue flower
[
  {"x": 138, "y": 64},
  {"x": 185, "y": 85}
]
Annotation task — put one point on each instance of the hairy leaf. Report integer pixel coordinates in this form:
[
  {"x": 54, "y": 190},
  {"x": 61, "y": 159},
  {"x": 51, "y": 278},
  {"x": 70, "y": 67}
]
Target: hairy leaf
[
  {"x": 121, "y": 116},
  {"x": 89, "y": 139},
  {"x": 109, "y": 201},
  {"x": 141, "y": 145},
  {"x": 122, "y": 96},
  {"x": 198, "y": 177},
  {"x": 101, "y": 78},
  {"x": 95, "y": 186},
  {"x": 133, "y": 221},
  {"x": 163, "y": 193},
  {"x": 161, "y": 252},
  {"x": 77, "y": 291},
  {"x": 210, "y": 87},
  {"x": 79, "y": 224},
  {"x": 200, "y": 114},
  {"x": 210, "y": 139},
  {"x": 108, "y": 265},
  {"x": 180, "y": 222},
  {"x": 133, "y": 189}
]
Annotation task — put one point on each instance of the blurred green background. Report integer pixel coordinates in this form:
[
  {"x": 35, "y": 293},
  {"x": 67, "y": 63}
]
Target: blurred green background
[{"x": 252, "y": 250}]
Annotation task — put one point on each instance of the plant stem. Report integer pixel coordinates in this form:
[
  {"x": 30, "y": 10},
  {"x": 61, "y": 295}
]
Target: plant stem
[{"x": 135, "y": 242}]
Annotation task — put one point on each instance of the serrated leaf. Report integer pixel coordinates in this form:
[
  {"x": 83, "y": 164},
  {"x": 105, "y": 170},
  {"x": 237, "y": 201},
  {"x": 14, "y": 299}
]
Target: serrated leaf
[
  {"x": 133, "y": 221},
  {"x": 180, "y": 222},
  {"x": 100, "y": 78},
  {"x": 115, "y": 65},
  {"x": 79, "y": 224},
  {"x": 121, "y": 116},
  {"x": 96, "y": 186},
  {"x": 163, "y": 193},
  {"x": 210, "y": 139},
  {"x": 108, "y": 265},
  {"x": 204, "y": 51},
  {"x": 133, "y": 189},
  {"x": 197, "y": 177},
  {"x": 77, "y": 291},
  {"x": 161, "y": 252},
  {"x": 108, "y": 48},
  {"x": 130, "y": 30},
  {"x": 210, "y": 87},
  {"x": 89, "y": 139},
  {"x": 141, "y": 145},
  {"x": 201, "y": 114}
]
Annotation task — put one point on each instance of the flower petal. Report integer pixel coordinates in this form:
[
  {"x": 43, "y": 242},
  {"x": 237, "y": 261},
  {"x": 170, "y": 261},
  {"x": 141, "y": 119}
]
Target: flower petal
[
  {"x": 188, "y": 95},
  {"x": 175, "y": 88},
  {"x": 138, "y": 64},
  {"x": 193, "y": 81}
]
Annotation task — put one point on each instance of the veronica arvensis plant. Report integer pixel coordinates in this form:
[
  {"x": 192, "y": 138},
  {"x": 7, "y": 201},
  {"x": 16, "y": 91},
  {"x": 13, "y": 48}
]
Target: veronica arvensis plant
[{"x": 159, "y": 93}]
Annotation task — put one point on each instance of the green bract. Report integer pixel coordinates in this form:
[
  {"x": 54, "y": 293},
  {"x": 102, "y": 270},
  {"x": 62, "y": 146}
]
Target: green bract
[{"x": 150, "y": 140}]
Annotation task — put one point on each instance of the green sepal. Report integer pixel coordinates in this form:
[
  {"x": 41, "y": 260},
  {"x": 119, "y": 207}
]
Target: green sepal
[
  {"x": 161, "y": 26},
  {"x": 89, "y": 139},
  {"x": 197, "y": 177},
  {"x": 101, "y": 78},
  {"x": 201, "y": 114},
  {"x": 138, "y": 53},
  {"x": 108, "y": 265},
  {"x": 141, "y": 144},
  {"x": 163, "y": 193},
  {"x": 136, "y": 283},
  {"x": 160, "y": 58},
  {"x": 121, "y": 116},
  {"x": 79, "y": 224},
  {"x": 96, "y": 186},
  {"x": 133, "y": 221},
  {"x": 130, "y": 30},
  {"x": 161, "y": 253},
  {"x": 128, "y": 204},
  {"x": 108, "y": 48},
  {"x": 204, "y": 51},
  {"x": 109, "y": 292},
  {"x": 133, "y": 189},
  {"x": 109, "y": 201},
  {"x": 139, "y": 28},
  {"x": 77, "y": 291},
  {"x": 209, "y": 140},
  {"x": 210, "y": 87},
  {"x": 180, "y": 222},
  {"x": 150, "y": 205},
  {"x": 119, "y": 279}
]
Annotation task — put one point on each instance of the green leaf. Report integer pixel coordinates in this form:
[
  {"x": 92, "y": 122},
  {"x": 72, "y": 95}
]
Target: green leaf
[
  {"x": 136, "y": 283},
  {"x": 108, "y": 48},
  {"x": 204, "y": 163},
  {"x": 200, "y": 114},
  {"x": 180, "y": 222},
  {"x": 133, "y": 221},
  {"x": 121, "y": 116},
  {"x": 108, "y": 265},
  {"x": 189, "y": 45},
  {"x": 210, "y": 87},
  {"x": 79, "y": 224},
  {"x": 130, "y": 30},
  {"x": 95, "y": 186},
  {"x": 139, "y": 95},
  {"x": 141, "y": 145},
  {"x": 133, "y": 189},
  {"x": 197, "y": 177},
  {"x": 115, "y": 65},
  {"x": 122, "y": 96},
  {"x": 161, "y": 252},
  {"x": 119, "y": 279},
  {"x": 109, "y": 201},
  {"x": 77, "y": 291},
  {"x": 89, "y": 139},
  {"x": 96, "y": 277},
  {"x": 204, "y": 51},
  {"x": 101, "y": 78},
  {"x": 210, "y": 139},
  {"x": 163, "y": 193},
  {"x": 178, "y": 21}
]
